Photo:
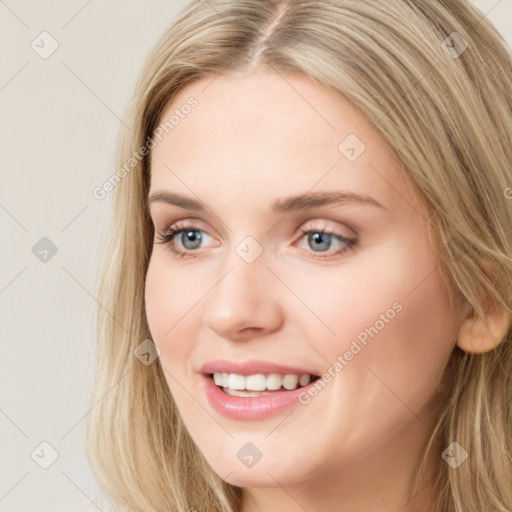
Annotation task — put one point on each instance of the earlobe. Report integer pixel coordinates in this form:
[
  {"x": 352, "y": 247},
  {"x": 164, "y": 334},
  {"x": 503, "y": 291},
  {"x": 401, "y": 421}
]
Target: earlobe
[{"x": 478, "y": 335}]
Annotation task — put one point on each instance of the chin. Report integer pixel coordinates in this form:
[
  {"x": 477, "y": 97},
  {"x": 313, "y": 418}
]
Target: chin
[
  {"x": 271, "y": 473},
  {"x": 246, "y": 477}
]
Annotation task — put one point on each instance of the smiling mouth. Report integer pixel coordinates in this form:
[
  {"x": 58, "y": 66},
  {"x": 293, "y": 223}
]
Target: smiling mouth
[{"x": 259, "y": 384}]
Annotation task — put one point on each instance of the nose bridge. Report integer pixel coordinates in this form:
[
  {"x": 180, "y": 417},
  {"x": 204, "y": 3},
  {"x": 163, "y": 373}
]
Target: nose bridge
[
  {"x": 244, "y": 295},
  {"x": 246, "y": 264}
]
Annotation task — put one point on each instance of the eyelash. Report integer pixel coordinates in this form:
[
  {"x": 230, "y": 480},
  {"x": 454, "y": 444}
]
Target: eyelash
[{"x": 168, "y": 239}]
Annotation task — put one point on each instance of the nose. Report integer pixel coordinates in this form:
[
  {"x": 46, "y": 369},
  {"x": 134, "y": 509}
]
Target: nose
[{"x": 244, "y": 301}]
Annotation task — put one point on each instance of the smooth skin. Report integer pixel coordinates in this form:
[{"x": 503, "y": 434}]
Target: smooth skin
[{"x": 252, "y": 139}]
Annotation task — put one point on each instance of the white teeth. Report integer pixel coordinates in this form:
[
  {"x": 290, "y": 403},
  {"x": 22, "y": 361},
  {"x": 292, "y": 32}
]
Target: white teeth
[
  {"x": 259, "y": 382},
  {"x": 256, "y": 382},
  {"x": 304, "y": 379},
  {"x": 274, "y": 381},
  {"x": 236, "y": 381},
  {"x": 290, "y": 381}
]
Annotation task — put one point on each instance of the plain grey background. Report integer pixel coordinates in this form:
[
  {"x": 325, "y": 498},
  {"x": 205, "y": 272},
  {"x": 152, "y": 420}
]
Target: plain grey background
[{"x": 60, "y": 115}]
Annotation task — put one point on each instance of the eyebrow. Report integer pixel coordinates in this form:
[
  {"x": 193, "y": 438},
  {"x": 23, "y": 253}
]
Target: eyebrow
[{"x": 279, "y": 206}]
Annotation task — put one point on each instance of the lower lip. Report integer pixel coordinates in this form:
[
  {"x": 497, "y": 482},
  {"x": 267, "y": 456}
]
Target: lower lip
[{"x": 251, "y": 408}]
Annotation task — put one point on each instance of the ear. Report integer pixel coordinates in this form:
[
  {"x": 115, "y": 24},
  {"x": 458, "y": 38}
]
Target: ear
[{"x": 478, "y": 335}]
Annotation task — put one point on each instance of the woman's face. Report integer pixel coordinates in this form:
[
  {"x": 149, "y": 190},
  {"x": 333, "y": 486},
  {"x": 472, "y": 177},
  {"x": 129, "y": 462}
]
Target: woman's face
[{"x": 363, "y": 305}]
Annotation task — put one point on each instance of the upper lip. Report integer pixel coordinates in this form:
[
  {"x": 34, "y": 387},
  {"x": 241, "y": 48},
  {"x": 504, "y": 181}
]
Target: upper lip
[{"x": 251, "y": 367}]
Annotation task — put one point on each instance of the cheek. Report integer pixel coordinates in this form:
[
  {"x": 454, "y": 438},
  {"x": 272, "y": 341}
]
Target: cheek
[
  {"x": 388, "y": 318},
  {"x": 172, "y": 309},
  {"x": 421, "y": 339},
  {"x": 402, "y": 326},
  {"x": 168, "y": 302},
  {"x": 157, "y": 303}
]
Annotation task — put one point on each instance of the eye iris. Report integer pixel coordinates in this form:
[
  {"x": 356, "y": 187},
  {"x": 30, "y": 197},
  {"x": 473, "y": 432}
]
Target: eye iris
[
  {"x": 191, "y": 236},
  {"x": 321, "y": 240}
]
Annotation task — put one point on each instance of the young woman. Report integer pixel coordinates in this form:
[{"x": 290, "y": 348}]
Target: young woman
[{"x": 307, "y": 289}]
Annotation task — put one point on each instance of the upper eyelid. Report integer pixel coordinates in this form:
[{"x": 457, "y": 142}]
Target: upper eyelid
[
  {"x": 302, "y": 217},
  {"x": 197, "y": 224}
]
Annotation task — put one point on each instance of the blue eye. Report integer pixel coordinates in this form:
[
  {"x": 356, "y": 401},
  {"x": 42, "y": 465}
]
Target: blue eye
[
  {"x": 190, "y": 238},
  {"x": 323, "y": 240}
]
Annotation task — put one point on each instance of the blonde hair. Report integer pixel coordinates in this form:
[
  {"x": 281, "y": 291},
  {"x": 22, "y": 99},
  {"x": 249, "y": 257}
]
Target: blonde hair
[{"x": 448, "y": 116}]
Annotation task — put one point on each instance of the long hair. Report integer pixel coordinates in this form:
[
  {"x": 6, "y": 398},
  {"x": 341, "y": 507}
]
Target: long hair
[{"x": 435, "y": 78}]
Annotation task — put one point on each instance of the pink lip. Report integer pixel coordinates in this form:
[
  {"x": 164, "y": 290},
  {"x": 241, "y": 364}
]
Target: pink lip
[
  {"x": 250, "y": 408},
  {"x": 250, "y": 368}
]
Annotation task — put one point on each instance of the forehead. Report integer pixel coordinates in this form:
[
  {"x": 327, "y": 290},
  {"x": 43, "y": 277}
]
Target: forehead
[{"x": 270, "y": 132}]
